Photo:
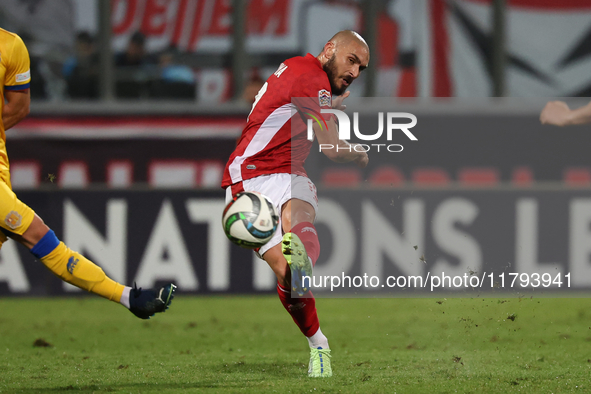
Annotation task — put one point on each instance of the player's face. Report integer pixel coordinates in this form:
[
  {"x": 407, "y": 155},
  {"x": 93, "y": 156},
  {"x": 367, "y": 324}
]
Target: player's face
[{"x": 345, "y": 65}]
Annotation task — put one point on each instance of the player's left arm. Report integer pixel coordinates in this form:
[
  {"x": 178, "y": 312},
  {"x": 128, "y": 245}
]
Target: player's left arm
[
  {"x": 17, "y": 81},
  {"x": 558, "y": 113},
  {"x": 337, "y": 150},
  {"x": 16, "y": 107}
]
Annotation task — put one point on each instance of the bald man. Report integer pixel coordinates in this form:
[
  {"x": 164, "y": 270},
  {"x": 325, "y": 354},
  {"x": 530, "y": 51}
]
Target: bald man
[{"x": 269, "y": 159}]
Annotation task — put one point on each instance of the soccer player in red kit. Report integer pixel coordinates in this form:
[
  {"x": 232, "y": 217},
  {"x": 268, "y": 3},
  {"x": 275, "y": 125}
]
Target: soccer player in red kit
[{"x": 269, "y": 159}]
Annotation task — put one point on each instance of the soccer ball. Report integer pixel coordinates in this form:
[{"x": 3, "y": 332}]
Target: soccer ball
[{"x": 250, "y": 220}]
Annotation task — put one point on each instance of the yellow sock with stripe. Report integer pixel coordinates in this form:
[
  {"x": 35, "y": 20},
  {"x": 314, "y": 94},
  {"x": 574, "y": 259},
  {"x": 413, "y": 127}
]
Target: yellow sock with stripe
[{"x": 75, "y": 269}]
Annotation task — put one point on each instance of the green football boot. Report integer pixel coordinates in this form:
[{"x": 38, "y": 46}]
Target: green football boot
[
  {"x": 299, "y": 263},
  {"x": 319, "y": 366}
]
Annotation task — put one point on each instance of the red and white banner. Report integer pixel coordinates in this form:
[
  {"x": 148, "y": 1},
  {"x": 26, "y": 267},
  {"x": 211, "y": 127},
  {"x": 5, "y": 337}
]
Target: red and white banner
[
  {"x": 547, "y": 48},
  {"x": 205, "y": 25},
  {"x": 273, "y": 26}
]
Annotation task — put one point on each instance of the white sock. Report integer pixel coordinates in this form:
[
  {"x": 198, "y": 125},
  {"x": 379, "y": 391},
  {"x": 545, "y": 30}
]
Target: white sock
[
  {"x": 125, "y": 297},
  {"x": 318, "y": 340}
]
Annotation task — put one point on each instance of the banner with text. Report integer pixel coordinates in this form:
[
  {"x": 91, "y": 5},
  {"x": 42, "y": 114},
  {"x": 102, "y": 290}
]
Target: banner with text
[{"x": 376, "y": 242}]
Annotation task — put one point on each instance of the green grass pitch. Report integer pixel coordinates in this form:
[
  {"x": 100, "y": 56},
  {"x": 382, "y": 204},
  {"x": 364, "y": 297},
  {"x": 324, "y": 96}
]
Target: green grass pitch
[{"x": 248, "y": 344}]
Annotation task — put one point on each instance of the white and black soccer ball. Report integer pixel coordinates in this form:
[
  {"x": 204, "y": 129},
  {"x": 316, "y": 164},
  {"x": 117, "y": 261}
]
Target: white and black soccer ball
[{"x": 250, "y": 220}]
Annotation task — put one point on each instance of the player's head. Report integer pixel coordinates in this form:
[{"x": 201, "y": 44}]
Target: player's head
[
  {"x": 344, "y": 56},
  {"x": 84, "y": 44},
  {"x": 136, "y": 45}
]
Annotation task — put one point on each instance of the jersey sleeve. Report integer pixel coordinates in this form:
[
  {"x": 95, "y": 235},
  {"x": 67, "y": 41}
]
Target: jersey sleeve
[
  {"x": 310, "y": 94},
  {"x": 18, "y": 67}
]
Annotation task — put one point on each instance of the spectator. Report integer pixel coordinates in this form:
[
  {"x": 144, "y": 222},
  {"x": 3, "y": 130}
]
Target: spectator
[
  {"x": 135, "y": 53},
  {"x": 134, "y": 69},
  {"x": 174, "y": 80},
  {"x": 171, "y": 71},
  {"x": 81, "y": 71}
]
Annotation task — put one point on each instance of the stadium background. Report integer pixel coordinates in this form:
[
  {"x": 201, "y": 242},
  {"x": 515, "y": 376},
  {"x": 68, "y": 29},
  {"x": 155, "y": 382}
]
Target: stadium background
[{"x": 131, "y": 177}]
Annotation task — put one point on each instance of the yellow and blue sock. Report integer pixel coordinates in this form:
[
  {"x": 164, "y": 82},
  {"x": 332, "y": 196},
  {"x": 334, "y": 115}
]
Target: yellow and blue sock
[{"x": 75, "y": 269}]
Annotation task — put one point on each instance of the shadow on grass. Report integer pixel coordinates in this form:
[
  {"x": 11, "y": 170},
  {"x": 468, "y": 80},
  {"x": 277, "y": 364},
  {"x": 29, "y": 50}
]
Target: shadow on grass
[
  {"x": 270, "y": 368},
  {"x": 143, "y": 387},
  {"x": 227, "y": 376}
]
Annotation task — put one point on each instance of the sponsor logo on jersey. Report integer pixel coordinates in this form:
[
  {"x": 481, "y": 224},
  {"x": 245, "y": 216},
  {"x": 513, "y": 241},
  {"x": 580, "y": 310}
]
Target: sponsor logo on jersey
[
  {"x": 72, "y": 264},
  {"x": 13, "y": 220},
  {"x": 24, "y": 76},
  {"x": 251, "y": 167},
  {"x": 324, "y": 98}
]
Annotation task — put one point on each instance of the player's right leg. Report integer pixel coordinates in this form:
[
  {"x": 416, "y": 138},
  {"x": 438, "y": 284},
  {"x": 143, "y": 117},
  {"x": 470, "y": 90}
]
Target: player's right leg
[{"x": 22, "y": 224}]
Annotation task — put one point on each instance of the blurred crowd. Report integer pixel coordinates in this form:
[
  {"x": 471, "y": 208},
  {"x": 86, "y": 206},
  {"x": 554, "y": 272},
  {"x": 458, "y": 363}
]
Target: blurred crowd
[
  {"x": 137, "y": 73},
  {"x": 66, "y": 61}
]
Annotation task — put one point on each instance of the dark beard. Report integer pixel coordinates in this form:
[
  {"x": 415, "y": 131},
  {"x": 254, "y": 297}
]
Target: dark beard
[{"x": 330, "y": 69}]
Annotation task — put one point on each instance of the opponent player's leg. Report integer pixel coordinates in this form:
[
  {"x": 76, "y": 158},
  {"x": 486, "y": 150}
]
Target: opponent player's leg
[
  {"x": 77, "y": 270},
  {"x": 65, "y": 263}
]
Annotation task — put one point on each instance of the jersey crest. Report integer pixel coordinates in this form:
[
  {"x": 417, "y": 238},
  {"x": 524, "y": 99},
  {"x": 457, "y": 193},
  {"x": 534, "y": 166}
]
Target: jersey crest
[{"x": 324, "y": 98}]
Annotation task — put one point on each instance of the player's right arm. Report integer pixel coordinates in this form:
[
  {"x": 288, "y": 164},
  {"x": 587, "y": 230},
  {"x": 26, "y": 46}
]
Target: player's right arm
[
  {"x": 16, "y": 107},
  {"x": 558, "y": 113}
]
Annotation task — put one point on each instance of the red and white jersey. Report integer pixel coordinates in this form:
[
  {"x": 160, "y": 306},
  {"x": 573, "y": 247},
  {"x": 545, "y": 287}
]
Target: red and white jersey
[{"x": 275, "y": 137}]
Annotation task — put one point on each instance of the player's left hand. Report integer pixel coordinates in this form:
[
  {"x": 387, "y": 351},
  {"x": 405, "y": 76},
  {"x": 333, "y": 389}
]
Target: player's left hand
[
  {"x": 337, "y": 103},
  {"x": 555, "y": 113}
]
